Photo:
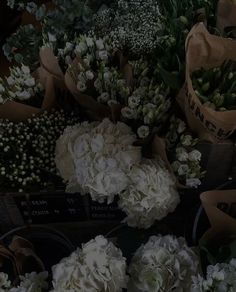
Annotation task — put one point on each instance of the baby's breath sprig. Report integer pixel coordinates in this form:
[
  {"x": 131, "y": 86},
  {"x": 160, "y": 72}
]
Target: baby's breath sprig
[{"x": 27, "y": 150}]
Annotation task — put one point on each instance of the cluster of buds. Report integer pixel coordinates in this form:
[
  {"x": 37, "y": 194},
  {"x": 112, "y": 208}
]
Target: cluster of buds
[
  {"x": 216, "y": 88},
  {"x": 27, "y": 159}
]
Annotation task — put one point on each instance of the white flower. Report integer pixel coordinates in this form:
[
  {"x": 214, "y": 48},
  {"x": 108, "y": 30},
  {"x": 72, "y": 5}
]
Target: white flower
[
  {"x": 107, "y": 75},
  {"x": 2, "y": 89},
  {"x": 100, "y": 44},
  {"x": 102, "y": 156},
  {"x": 195, "y": 155},
  {"x": 193, "y": 182},
  {"x": 52, "y": 38},
  {"x": 69, "y": 47},
  {"x": 22, "y": 95},
  {"x": 25, "y": 69},
  {"x": 104, "y": 97},
  {"x": 183, "y": 169},
  {"x": 103, "y": 55},
  {"x": 98, "y": 84},
  {"x": 81, "y": 86},
  {"x": 81, "y": 48},
  {"x": 181, "y": 154},
  {"x": 150, "y": 196},
  {"x": 134, "y": 101},
  {"x": 89, "y": 42},
  {"x": 10, "y": 80},
  {"x": 163, "y": 264},
  {"x": 89, "y": 75},
  {"x": 4, "y": 281},
  {"x": 30, "y": 82},
  {"x": 181, "y": 127},
  {"x": 98, "y": 267},
  {"x": 143, "y": 132},
  {"x": 220, "y": 277},
  {"x": 32, "y": 283},
  {"x": 128, "y": 113}
]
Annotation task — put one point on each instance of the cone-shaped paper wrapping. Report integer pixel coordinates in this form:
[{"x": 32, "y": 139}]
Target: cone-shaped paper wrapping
[
  {"x": 221, "y": 221},
  {"x": 204, "y": 50},
  {"x": 226, "y": 14},
  {"x": 96, "y": 109},
  {"x": 50, "y": 76}
]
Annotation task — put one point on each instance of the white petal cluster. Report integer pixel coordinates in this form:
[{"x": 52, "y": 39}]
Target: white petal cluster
[
  {"x": 151, "y": 194},
  {"x": 164, "y": 263},
  {"x": 96, "y": 158},
  {"x": 20, "y": 85},
  {"x": 98, "y": 267},
  {"x": 221, "y": 277},
  {"x": 187, "y": 160},
  {"x": 32, "y": 282}
]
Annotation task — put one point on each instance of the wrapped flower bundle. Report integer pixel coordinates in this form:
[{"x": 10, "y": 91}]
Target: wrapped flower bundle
[
  {"x": 148, "y": 105},
  {"x": 28, "y": 148},
  {"x": 21, "y": 86},
  {"x": 97, "y": 158},
  {"x": 163, "y": 264},
  {"x": 98, "y": 267},
  {"x": 216, "y": 87}
]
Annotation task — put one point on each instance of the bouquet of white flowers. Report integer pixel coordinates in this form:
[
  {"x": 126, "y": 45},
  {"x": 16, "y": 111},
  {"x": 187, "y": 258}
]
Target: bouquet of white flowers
[
  {"x": 96, "y": 158},
  {"x": 163, "y": 264},
  {"x": 98, "y": 267},
  {"x": 20, "y": 86}
]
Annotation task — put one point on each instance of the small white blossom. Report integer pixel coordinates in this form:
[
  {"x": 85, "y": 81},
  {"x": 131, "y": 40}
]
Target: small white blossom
[{"x": 143, "y": 132}]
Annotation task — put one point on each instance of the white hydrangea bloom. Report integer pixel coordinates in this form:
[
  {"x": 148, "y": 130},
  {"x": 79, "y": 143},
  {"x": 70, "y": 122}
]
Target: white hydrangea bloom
[
  {"x": 221, "y": 277},
  {"x": 5, "y": 283},
  {"x": 98, "y": 267},
  {"x": 96, "y": 158},
  {"x": 32, "y": 282},
  {"x": 164, "y": 263},
  {"x": 150, "y": 196}
]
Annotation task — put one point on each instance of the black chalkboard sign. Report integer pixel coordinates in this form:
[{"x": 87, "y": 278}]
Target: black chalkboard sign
[
  {"x": 104, "y": 211},
  {"x": 18, "y": 209}
]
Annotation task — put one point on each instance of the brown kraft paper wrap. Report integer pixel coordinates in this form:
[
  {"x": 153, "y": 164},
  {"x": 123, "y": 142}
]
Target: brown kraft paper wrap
[
  {"x": 226, "y": 14},
  {"x": 221, "y": 222},
  {"x": 96, "y": 109},
  {"x": 204, "y": 50},
  {"x": 49, "y": 75}
]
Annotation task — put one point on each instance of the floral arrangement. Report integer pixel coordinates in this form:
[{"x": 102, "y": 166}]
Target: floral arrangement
[
  {"x": 150, "y": 196},
  {"x": 32, "y": 282},
  {"x": 96, "y": 158},
  {"x": 220, "y": 277},
  {"x": 97, "y": 74},
  {"x": 20, "y": 86},
  {"x": 149, "y": 104},
  {"x": 163, "y": 264},
  {"x": 99, "y": 266},
  {"x": 216, "y": 87},
  {"x": 186, "y": 161},
  {"x": 27, "y": 159},
  {"x": 134, "y": 26}
]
